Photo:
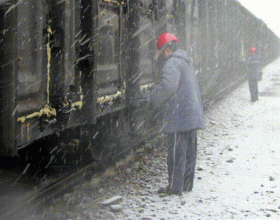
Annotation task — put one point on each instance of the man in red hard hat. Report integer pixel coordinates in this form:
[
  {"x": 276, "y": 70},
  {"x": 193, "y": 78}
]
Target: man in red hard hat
[
  {"x": 253, "y": 50},
  {"x": 165, "y": 39},
  {"x": 177, "y": 96},
  {"x": 254, "y": 73}
]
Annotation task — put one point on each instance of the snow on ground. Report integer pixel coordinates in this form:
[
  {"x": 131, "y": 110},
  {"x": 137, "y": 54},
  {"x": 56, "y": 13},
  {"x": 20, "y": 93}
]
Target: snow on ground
[
  {"x": 238, "y": 173},
  {"x": 238, "y": 169}
]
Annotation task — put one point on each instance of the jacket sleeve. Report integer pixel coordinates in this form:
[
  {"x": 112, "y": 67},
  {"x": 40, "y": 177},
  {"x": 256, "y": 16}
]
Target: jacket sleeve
[
  {"x": 254, "y": 64},
  {"x": 168, "y": 83}
]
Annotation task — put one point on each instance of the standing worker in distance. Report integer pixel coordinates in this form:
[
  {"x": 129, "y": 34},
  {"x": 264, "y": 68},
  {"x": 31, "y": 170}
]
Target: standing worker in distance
[
  {"x": 254, "y": 73},
  {"x": 177, "y": 96}
]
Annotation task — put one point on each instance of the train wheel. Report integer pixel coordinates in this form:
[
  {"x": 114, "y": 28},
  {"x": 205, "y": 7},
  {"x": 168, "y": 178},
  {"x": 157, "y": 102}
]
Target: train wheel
[{"x": 110, "y": 138}]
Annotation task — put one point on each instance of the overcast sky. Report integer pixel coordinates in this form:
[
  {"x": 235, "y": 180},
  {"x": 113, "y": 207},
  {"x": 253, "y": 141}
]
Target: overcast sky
[{"x": 266, "y": 10}]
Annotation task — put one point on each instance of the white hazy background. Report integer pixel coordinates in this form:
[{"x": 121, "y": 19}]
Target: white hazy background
[{"x": 266, "y": 10}]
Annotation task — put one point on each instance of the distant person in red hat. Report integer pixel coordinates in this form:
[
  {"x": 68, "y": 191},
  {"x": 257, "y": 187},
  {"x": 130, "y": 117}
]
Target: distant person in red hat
[
  {"x": 254, "y": 73},
  {"x": 177, "y": 97}
]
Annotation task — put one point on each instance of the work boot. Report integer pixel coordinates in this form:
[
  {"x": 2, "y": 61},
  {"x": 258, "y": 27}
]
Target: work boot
[
  {"x": 187, "y": 189},
  {"x": 164, "y": 190},
  {"x": 173, "y": 192},
  {"x": 168, "y": 191}
]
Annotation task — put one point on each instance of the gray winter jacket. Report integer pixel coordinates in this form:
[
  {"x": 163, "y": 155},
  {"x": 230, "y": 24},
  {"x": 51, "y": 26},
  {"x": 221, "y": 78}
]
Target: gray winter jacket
[
  {"x": 177, "y": 95},
  {"x": 254, "y": 66}
]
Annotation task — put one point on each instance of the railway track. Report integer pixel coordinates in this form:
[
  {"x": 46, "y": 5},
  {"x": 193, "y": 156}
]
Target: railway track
[
  {"x": 31, "y": 201},
  {"x": 17, "y": 204}
]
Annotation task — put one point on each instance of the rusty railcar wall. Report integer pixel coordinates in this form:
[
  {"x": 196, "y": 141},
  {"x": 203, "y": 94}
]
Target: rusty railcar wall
[
  {"x": 67, "y": 63},
  {"x": 8, "y": 85},
  {"x": 221, "y": 34}
]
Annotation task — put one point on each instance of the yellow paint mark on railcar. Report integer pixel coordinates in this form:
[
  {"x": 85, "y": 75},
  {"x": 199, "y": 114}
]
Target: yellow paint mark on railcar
[
  {"x": 109, "y": 98},
  {"x": 242, "y": 55},
  {"x": 28, "y": 131},
  {"x": 81, "y": 91},
  {"x": 146, "y": 87},
  {"x": 78, "y": 105},
  {"x": 22, "y": 131},
  {"x": 112, "y": 1},
  {"x": 46, "y": 111},
  {"x": 49, "y": 63}
]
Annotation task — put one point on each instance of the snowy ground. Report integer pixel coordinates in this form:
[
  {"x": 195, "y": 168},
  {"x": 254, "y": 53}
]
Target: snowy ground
[{"x": 238, "y": 168}]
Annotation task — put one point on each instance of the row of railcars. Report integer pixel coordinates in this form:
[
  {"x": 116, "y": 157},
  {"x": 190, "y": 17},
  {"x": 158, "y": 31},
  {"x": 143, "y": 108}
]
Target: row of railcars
[
  {"x": 72, "y": 63},
  {"x": 221, "y": 33}
]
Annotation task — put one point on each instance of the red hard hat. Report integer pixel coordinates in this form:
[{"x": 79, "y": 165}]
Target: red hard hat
[
  {"x": 253, "y": 49},
  {"x": 165, "y": 38}
]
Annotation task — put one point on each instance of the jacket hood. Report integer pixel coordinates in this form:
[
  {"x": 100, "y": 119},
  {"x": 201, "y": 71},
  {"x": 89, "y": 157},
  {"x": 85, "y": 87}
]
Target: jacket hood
[{"x": 180, "y": 53}]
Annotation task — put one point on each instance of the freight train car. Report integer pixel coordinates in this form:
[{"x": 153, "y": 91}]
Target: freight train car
[
  {"x": 218, "y": 36},
  {"x": 70, "y": 64}
]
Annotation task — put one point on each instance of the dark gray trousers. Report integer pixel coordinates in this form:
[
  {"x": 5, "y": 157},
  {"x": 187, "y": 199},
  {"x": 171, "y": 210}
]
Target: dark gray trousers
[
  {"x": 181, "y": 160},
  {"x": 253, "y": 87}
]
